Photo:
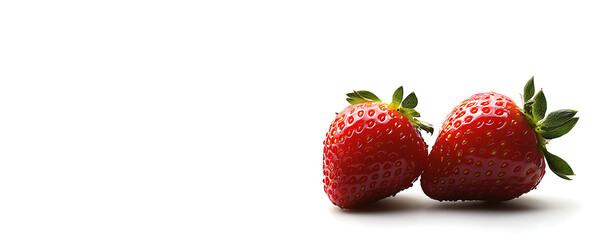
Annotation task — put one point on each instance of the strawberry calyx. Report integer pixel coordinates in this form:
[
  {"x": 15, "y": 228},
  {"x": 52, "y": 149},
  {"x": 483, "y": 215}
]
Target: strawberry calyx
[
  {"x": 405, "y": 106},
  {"x": 555, "y": 124}
]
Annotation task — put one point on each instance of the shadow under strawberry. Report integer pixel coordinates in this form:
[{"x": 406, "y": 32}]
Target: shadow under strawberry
[
  {"x": 387, "y": 206},
  {"x": 524, "y": 204}
]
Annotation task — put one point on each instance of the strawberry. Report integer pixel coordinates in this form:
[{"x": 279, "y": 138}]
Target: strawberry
[
  {"x": 490, "y": 149},
  {"x": 372, "y": 149}
]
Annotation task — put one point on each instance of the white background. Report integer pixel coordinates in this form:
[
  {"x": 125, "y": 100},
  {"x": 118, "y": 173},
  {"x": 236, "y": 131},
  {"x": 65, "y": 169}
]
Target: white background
[{"x": 205, "y": 119}]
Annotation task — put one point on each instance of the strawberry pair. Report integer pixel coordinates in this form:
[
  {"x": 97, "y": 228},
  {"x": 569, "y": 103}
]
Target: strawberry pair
[{"x": 488, "y": 148}]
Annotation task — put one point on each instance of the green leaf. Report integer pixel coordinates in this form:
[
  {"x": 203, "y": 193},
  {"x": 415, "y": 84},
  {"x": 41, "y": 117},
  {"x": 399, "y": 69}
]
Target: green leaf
[
  {"x": 539, "y": 107},
  {"x": 410, "y": 101},
  {"x": 356, "y": 95},
  {"x": 562, "y": 176},
  {"x": 557, "y": 118},
  {"x": 558, "y": 131},
  {"x": 397, "y": 97},
  {"x": 558, "y": 165},
  {"x": 425, "y": 126},
  {"x": 368, "y": 95},
  {"x": 527, "y": 106},
  {"x": 528, "y": 90},
  {"x": 354, "y": 100},
  {"x": 412, "y": 112},
  {"x": 361, "y": 96}
]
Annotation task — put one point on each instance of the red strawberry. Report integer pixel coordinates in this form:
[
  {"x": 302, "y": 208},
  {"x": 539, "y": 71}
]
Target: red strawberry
[
  {"x": 490, "y": 149},
  {"x": 373, "y": 150}
]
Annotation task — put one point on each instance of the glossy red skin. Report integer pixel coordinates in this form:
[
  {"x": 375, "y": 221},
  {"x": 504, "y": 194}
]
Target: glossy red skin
[
  {"x": 370, "y": 152},
  {"x": 486, "y": 151}
]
